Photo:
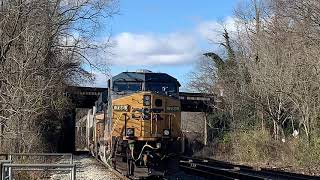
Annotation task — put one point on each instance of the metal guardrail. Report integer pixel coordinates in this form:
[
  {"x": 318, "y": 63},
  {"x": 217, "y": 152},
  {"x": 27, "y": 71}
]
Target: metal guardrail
[
  {"x": 38, "y": 167},
  {"x": 4, "y": 172},
  {"x": 10, "y": 156},
  {"x": 8, "y": 165}
]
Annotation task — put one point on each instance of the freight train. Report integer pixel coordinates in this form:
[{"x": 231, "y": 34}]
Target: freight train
[{"x": 135, "y": 125}]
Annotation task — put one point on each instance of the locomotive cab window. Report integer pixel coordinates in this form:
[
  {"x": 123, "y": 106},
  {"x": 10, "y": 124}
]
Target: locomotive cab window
[
  {"x": 161, "y": 87},
  {"x": 127, "y": 86}
]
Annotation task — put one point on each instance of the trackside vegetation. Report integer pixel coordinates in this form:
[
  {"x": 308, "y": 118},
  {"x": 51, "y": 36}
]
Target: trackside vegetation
[{"x": 268, "y": 85}]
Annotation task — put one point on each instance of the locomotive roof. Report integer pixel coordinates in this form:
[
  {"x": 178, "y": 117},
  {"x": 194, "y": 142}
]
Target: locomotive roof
[{"x": 145, "y": 77}]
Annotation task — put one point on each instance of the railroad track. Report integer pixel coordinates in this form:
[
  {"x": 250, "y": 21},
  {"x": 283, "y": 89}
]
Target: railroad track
[
  {"x": 222, "y": 170},
  {"x": 121, "y": 176}
]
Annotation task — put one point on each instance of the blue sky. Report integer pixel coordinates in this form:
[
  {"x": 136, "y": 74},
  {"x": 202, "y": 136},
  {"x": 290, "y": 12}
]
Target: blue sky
[{"x": 164, "y": 35}]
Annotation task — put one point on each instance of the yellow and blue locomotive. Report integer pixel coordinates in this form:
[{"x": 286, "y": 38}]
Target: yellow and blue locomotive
[{"x": 136, "y": 125}]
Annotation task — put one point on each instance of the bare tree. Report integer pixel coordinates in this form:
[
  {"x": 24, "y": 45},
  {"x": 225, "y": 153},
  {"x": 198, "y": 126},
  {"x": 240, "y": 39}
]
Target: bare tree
[
  {"x": 285, "y": 75},
  {"x": 43, "y": 46},
  {"x": 271, "y": 69}
]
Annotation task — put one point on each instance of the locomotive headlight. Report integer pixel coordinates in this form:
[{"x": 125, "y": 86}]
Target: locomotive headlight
[
  {"x": 130, "y": 132},
  {"x": 146, "y": 100},
  {"x": 166, "y": 132}
]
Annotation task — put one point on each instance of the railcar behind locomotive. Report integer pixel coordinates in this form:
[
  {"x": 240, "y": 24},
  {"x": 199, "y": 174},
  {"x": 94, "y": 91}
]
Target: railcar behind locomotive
[{"x": 136, "y": 125}]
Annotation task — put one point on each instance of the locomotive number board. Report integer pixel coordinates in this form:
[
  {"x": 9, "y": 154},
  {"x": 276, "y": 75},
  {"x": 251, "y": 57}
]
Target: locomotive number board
[
  {"x": 121, "y": 108},
  {"x": 173, "y": 108}
]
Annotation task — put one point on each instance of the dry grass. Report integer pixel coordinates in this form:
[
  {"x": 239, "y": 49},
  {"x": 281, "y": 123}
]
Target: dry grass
[
  {"x": 257, "y": 148},
  {"x": 31, "y": 175}
]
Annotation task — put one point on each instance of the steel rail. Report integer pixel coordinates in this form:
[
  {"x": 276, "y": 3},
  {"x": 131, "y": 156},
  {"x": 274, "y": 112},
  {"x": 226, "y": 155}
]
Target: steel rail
[
  {"x": 210, "y": 165},
  {"x": 206, "y": 172},
  {"x": 219, "y": 171}
]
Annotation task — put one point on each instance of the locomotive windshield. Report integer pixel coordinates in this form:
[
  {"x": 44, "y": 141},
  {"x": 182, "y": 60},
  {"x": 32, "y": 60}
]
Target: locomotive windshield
[
  {"x": 131, "y": 82},
  {"x": 127, "y": 86},
  {"x": 161, "y": 87}
]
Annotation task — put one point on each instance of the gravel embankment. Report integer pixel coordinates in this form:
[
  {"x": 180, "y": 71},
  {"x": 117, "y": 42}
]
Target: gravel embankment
[{"x": 87, "y": 168}]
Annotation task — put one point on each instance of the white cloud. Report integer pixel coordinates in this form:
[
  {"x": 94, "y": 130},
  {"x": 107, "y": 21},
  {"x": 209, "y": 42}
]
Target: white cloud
[
  {"x": 167, "y": 49},
  {"x": 176, "y": 48},
  {"x": 212, "y": 30},
  {"x": 153, "y": 49}
]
